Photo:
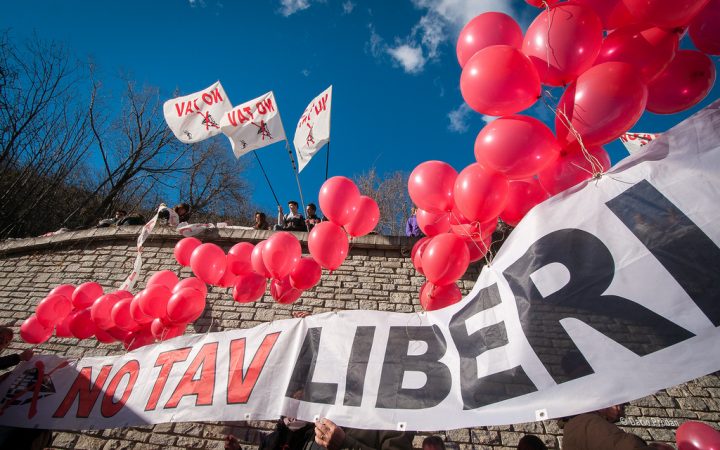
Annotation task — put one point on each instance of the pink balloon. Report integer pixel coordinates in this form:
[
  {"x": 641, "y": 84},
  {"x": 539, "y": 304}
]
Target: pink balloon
[
  {"x": 85, "y": 294},
  {"x": 602, "y": 104},
  {"x": 665, "y": 13},
  {"x": 165, "y": 278},
  {"x": 185, "y": 305},
  {"x": 697, "y": 436},
  {"x": 62, "y": 329},
  {"x": 517, "y": 146},
  {"x": 431, "y": 186},
  {"x": 704, "y": 30},
  {"x": 153, "y": 300},
  {"x": 434, "y": 297},
  {"x": 306, "y": 274},
  {"x": 480, "y": 194},
  {"x": 138, "y": 339},
  {"x": 101, "y": 311},
  {"x": 122, "y": 317},
  {"x": 445, "y": 259},
  {"x": 63, "y": 289},
  {"x": 103, "y": 336},
  {"x": 283, "y": 292},
  {"x": 162, "y": 331},
  {"x": 416, "y": 253},
  {"x": 328, "y": 245},
  {"x": 478, "y": 248},
  {"x": 280, "y": 253},
  {"x": 249, "y": 287},
  {"x": 571, "y": 168},
  {"x": 499, "y": 80},
  {"x": 683, "y": 84},
  {"x": 34, "y": 332},
  {"x": 523, "y": 195},
  {"x": 208, "y": 262},
  {"x": 563, "y": 42},
  {"x": 337, "y": 197},
  {"x": 433, "y": 224},
  {"x": 490, "y": 28},
  {"x": 136, "y": 311},
  {"x": 227, "y": 280},
  {"x": 238, "y": 258},
  {"x": 257, "y": 260},
  {"x": 367, "y": 216},
  {"x": 613, "y": 13},
  {"x": 53, "y": 309},
  {"x": 192, "y": 283},
  {"x": 81, "y": 325},
  {"x": 184, "y": 250}
]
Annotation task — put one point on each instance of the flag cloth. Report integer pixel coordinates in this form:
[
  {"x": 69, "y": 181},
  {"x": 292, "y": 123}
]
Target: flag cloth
[
  {"x": 253, "y": 125},
  {"x": 313, "y": 128},
  {"x": 196, "y": 117},
  {"x": 634, "y": 142}
]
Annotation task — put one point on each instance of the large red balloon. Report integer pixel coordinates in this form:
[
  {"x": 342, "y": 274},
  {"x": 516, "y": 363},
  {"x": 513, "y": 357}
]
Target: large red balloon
[
  {"x": 162, "y": 331},
  {"x": 433, "y": 224},
  {"x": 153, "y": 300},
  {"x": 185, "y": 305},
  {"x": 62, "y": 329},
  {"x": 34, "y": 332},
  {"x": 280, "y": 253},
  {"x": 184, "y": 250},
  {"x": 53, "y": 309},
  {"x": 571, "y": 168},
  {"x": 256, "y": 260},
  {"x": 431, "y": 186},
  {"x": 697, "y": 436},
  {"x": 416, "y": 253},
  {"x": 208, "y": 262},
  {"x": 85, "y": 294},
  {"x": 665, "y": 13},
  {"x": 602, "y": 104},
  {"x": 490, "y": 28},
  {"x": 683, "y": 84},
  {"x": 328, "y": 245},
  {"x": 103, "y": 336},
  {"x": 542, "y": 3},
  {"x": 563, "y": 42},
  {"x": 227, "y": 280},
  {"x": 305, "y": 274},
  {"x": 81, "y": 325},
  {"x": 366, "y": 217},
  {"x": 478, "y": 248},
  {"x": 499, "y": 80},
  {"x": 337, "y": 198},
  {"x": 165, "y": 278},
  {"x": 283, "y": 292},
  {"x": 434, "y": 297},
  {"x": 193, "y": 283},
  {"x": 238, "y": 258},
  {"x": 466, "y": 229},
  {"x": 139, "y": 339},
  {"x": 704, "y": 30},
  {"x": 101, "y": 311},
  {"x": 480, "y": 193},
  {"x": 122, "y": 317},
  {"x": 249, "y": 287},
  {"x": 63, "y": 289},
  {"x": 136, "y": 311},
  {"x": 445, "y": 258},
  {"x": 518, "y": 146},
  {"x": 523, "y": 195},
  {"x": 613, "y": 13}
]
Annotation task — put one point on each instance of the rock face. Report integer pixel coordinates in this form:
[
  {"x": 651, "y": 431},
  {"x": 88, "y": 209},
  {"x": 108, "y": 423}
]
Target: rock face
[{"x": 378, "y": 275}]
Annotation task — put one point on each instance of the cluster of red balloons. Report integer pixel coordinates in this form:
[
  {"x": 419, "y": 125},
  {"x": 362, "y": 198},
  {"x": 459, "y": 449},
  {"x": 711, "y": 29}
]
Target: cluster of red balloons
[{"x": 697, "y": 436}]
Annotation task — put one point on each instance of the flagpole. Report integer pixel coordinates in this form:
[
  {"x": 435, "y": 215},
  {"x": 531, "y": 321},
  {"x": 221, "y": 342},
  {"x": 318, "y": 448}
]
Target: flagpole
[
  {"x": 266, "y": 177},
  {"x": 297, "y": 178},
  {"x": 327, "y": 161}
]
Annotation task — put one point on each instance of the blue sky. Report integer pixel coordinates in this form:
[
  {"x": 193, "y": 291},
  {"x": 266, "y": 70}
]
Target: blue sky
[{"x": 392, "y": 64}]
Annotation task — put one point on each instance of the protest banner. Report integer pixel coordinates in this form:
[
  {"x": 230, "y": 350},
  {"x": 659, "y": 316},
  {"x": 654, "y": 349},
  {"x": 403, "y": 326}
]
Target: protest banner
[
  {"x": 196, "y": 117},
  {"x": 634, "y": 142},
  {"x": 253, "y": 125},
  {"x": 313, "y": 128}
]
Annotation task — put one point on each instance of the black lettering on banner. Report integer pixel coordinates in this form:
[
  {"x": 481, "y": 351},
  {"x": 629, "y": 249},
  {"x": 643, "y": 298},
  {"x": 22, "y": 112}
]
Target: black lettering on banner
[
  {"x": 477, "y": 392},
  {"x": 301, "y": 387},
  {"x": 686, "y": 252},
  {"x": 357, "y": 366},
  {"x": 591, "y": 268},
  {"x": 391, "y": 394}
]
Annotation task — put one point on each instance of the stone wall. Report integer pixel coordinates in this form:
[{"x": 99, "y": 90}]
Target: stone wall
[{"x": 378, "y": 275}]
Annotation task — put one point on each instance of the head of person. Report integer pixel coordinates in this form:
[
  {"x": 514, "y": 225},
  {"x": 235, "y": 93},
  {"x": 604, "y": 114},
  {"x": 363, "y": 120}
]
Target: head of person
[
  {"x": 182, "y": 209},
  {"x": 531, "y": 442},
  {"x": 120, "y": 213},
  {"x": 293, "y": 206},
  {"x": 259, "y": 217},
  {"x": 433, "y": 443},
  {"x": 413, "y": 210},
  {"x": 311, "y": 209},
  {"x": 613, "y": 413},
  {"x": 6, "y": 336}
]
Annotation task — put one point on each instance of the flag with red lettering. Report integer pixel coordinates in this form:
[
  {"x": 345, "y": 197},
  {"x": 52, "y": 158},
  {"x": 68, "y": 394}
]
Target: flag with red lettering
[
  {"x": 634, "y": 142},
  {"x": 253, "y": 125},
  {"x": 196, "y": 117},
  {"x": 313, "y": 128}
]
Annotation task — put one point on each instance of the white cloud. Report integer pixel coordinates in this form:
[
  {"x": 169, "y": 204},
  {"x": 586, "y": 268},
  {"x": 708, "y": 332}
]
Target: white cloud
[
  {"x": 376, "y": 45},
  {"x": 488, "y": 119},
  {"x": 410, "y": 58},
  {"x": 290, "y": 7},
  {"x": 459, "y": 12},
  {"x": 348, "y": 7},
  {"x": 196, "y": 3},
  {"x": 458, "y": 118},
  {"x": 305, "y": 72}
]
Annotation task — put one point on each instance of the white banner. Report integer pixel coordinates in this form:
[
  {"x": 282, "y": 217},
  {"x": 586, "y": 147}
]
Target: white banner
[
  {"x": 313, "y": 128},
  {"x": 196, "y": 117},
  {"x": 253, "y": 125},
  {"x": 603, "y": 294},
  {"x": 634, "y": 142}
]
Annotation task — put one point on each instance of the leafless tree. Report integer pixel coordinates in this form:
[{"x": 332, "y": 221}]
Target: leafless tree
[{"x": 391, "y": 194}]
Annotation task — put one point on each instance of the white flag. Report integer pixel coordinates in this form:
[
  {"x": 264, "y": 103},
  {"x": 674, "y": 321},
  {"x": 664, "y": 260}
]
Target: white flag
[
  {"x": 196, "y": 117},
  {"x": 253, "y": 124},
  {"x": 313, "y": 128},
  {"x": 634, "y": 142}
]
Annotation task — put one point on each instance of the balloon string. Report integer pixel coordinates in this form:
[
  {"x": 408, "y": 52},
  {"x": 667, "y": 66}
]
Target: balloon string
[
  {"x": 488, "y": 255},
  {"x": 547, "y": 39}
]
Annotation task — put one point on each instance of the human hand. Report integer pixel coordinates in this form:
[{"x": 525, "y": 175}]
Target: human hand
[
  {"x": 26, "y": 355},
  {"x": 328, "y": 435},
  {"x": 280, "y": 210}
]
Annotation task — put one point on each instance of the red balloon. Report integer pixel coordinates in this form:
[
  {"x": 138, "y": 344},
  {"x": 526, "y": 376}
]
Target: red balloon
[
  {"x": 257, "y": 260},
  {"x": 434, "y": 297},
  {"x": 499, "y": 80},
  {"x": 163, "y": 332},
  {"x": 118, "y": 334},
  {"x": 34, "y": 332},
  {"x": 328, "y": 245},
  {"x": 81, "y": 325},
  {"x": 238, "y": 258},
  {"x": 165, "y": 278},
  {"x": 184, "y": 250},
  {"x": 697, "y": 436},
  {"x": 103, "y": 336},
  {"x": 62, "y": 329},
  {"x": 472, "y": 230},
  {"x": 283, "y": 292},
  {"x": 139, "y": 339},
  {"x": 478, "y": 248},
  {"x": 249, "y": 287},
  {"x": 136, "y": 311},
  {"x": 416, "y": 253},
  {"x": 53, "y": 309},
  {"x": 85, "y": 294},
  {"x": 121, "y": 316},
  {"x": 480, "y": 194},
  {"x": 185, "y": 305},
  {"x": 563, "y": 42},
  {"x": 280, "y": 253},
  {"x": 445, "y": 259},
  {"x": 665, "y": 13},
  {"x": 337, "y": 197},
  {"x": 542, "y": 3},
  {"x": 101, "y": 311},
  {"x": 192, "y": 283},
  {"x": 523, "y": 195},
  {"x": 571, "y": 168},
  {"x": 63, "y": 289},
  {"x": 490, "y": 28},
  {"x": 613, "y": 13},
  {"x": 517, "y": 146},
  {"x": 602, "y": 104},
  {"x": 431, "y": 186},
  {"x": 367, "y": 216},
  {"x": 704, "y": 30},
  {"x": 683, "y": 84},
  {"x": 153, "y": 300},
  {"x": 227, "y": 280},
  {"x": 433, "y": 224},
  {"x": 649, "y": 50},
  {"x": 208, "y": 262},
  {"x": 306, "y": 274},
  {"x": 123, "y": 294}
]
